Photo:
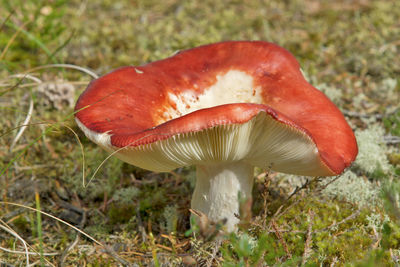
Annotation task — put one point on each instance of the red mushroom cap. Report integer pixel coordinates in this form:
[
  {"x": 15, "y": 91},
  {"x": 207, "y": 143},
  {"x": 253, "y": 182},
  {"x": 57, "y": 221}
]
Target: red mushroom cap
[{"x": 207, "y": 89}]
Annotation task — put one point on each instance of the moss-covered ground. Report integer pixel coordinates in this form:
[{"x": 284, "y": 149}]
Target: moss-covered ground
[{"x": 348, "y": 49}]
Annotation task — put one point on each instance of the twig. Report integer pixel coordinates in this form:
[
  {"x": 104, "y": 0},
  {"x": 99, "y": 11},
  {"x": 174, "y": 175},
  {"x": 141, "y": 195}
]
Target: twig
[
  {"x": 298, "y": 189},
  {"x": 280, "y": 238},
  {"x": 361, "y": 115},
  {"x": 307, "y": 245},
  {"x": 215, "y": 250},
  {"x": 112, "y": 253},
  {"x": 278, "y": 213},
  {"x": 350, "y": 217},
  {"x": 391, "y": 139},
  {"x": 73, "y": 244},
  {"x": 328, "y": 183},
  {"x": 355, "y": 114},
  {"x": 264, "y": 194}
]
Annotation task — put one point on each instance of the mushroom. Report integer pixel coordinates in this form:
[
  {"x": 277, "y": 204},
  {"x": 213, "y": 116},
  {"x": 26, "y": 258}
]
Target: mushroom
[{"x": 225, "y": 108}]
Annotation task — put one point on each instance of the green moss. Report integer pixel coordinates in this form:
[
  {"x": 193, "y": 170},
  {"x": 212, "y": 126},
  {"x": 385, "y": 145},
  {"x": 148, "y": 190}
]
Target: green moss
[
  {"x": 331, "y": 241},
  {"x": 346, "y": 242},
  {"x": 120, "y": 213},
  {"x": 392, "y": 122},
  {"x": 391, "y": 236},
  {"x": 22, "y": 224}
]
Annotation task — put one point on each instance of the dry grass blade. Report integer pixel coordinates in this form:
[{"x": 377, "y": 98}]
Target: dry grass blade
[
  {"x": 26, "y": 245},
  {"x": 30, "y": 110},
  {"x": 27, "y": 76},
  {"x": 12, "y": 232},
  {"x": 24, "y": 125},
  {"x": 55, "y": 218},
  {"x": 10, "y": 14},
  {"x": 29, "y": 252},
  {"x": 107, "y": 249},
  {"x": 67, "y": 66},
  {"x": 11, "y": 40},
  {"x": 51, "y": 127}
]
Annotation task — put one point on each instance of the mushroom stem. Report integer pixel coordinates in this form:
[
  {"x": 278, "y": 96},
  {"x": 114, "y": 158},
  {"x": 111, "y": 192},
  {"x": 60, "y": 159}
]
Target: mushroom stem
[{"x": 219, "y": 187}]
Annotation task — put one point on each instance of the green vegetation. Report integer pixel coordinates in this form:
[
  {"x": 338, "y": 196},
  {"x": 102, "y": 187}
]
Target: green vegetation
[{"x": 348, "y": 49}]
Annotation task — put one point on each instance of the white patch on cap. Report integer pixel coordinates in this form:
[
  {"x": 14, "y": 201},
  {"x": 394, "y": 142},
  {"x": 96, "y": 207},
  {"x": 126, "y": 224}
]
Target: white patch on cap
[
  {"x": 139, "y": 71},
  {"x": 232, "y": 87},
  {"x": 102, "y": 139}
]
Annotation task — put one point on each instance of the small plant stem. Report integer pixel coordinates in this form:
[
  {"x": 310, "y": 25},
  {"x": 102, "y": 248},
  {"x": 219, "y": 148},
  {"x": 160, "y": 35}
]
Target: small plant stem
[
  {"x": 154, "y": 251},
  {"x": 308, "y": 243},
  {"x": 39, "y": 227},
  {"x": 281, "y": 240}
]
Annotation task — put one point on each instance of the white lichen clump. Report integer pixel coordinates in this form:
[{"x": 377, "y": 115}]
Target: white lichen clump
[
  {"x": 126, "y": 195},
  {"x": 334, "y": 94},
  {"x": 354, "y": 189},
  {"x": 387, "y": 87},
  {"x": 371, "y": 157},
  {"x": 376, "y": 221},
  {"x": 372, "y": 150},
  {"x": 170, "y": 215}
]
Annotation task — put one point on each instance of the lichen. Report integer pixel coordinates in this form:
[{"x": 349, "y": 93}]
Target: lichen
[
  {"x": 126, "y": 195},
  {"x": 170, "y": 215},
  {"x": 372, "y": 150},
  {"x": 353, "y": 188},
  {"x": 333, "y": 93}
]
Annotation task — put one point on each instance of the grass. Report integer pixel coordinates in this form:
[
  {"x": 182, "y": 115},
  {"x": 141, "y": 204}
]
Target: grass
[
  {"x": 39, "y": 227},
  {"x": 347, "y": 49}
]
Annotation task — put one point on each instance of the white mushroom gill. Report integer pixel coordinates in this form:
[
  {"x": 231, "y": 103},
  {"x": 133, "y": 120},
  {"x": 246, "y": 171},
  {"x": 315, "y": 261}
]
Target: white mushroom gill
[
  {"x": 262, "y": 141},
  {"x": 225, "y": 157}
]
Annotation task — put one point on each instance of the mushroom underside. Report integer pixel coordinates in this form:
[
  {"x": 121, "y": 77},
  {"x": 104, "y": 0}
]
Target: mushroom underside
[{"x": 225, "y": 157}]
